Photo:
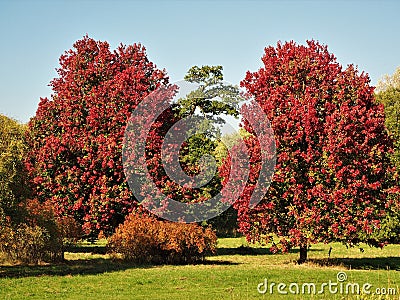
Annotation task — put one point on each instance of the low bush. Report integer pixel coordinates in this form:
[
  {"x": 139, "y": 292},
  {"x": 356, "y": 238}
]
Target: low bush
[
  {"x": 40, "y": 236},
  {"x": 144, "y": 239},
  {"x": 28, "y": 244}
]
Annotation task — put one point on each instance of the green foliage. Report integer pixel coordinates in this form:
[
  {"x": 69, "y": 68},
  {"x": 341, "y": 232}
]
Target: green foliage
[
  {"x": 390, "y": 228},
  {"x": 213, "y": 97},
  {"x": 389, "y": 95},
  {"x": 225, "y": 225},
  {"x": 144, "y": 239},
  {"x": 13, "y": 176},
  {"x": 226, "y": 142},
  {"x": 210, "y": 100},
  {"x": 205, "y": 74},
  {"x": 28, "y": 230}
]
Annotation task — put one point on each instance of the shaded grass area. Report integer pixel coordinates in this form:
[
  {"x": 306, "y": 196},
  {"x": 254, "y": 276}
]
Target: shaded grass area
[
  {"x": 91, "y": 266},
  {"x": 233, "y": 273},
  {"x": 375, "y": 263},
  {"x": 362, "y": 257}
]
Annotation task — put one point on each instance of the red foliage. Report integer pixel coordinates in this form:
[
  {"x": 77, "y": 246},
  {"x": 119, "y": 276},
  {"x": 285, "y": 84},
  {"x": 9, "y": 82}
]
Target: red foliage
[
  {"x": 333, "y": 170},
  {"x": 76, "y": 136}
]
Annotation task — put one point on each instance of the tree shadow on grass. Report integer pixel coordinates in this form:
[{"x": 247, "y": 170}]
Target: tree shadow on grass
[
  {"x": 68, "y": 267},
  {"x": 372, "y": 263},
  {"x": 87, "y": 249},
  {"x": 246, "y": 250},
  {"x": 83, "y": 267}
]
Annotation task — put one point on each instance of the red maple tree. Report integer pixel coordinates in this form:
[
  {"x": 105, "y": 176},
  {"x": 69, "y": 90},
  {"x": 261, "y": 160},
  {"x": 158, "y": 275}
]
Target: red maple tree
[
  {"x": 76, "y": 136},
  {"x": 333, "y": 172}
]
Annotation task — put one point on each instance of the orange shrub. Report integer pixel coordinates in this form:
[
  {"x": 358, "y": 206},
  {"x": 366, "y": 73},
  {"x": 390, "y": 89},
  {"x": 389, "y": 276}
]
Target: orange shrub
[{"x": 144, "y": 239}]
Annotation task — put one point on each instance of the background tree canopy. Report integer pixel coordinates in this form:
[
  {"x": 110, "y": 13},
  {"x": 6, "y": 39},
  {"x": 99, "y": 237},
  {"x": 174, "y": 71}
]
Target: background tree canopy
[
  {"x": 388, "y": 93},
  {"x": 14, "y": 187}
]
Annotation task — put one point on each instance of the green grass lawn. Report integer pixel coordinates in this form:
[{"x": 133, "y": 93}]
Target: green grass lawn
[{"x": 232, "y": 274}]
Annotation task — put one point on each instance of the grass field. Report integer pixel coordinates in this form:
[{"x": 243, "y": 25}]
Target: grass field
[{"x": 234, "y": 273}]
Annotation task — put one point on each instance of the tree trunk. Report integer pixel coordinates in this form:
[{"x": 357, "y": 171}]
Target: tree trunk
[{"x": 303, "y": 254}]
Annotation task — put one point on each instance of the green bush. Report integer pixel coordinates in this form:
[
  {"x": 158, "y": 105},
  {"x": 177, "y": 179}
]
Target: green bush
[{"x": 144, "y": 239}]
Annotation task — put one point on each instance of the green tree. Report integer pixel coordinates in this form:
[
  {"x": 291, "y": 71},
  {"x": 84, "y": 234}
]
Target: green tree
[
  {"x": 210, "y": 100},
  {"x": 227, "y": 142},
  {"x": 29, "y": 231},
  {"x": 388, "y": 93},
  {"x": 213, "y": 97},
  {"x": 14, "y": 187}
]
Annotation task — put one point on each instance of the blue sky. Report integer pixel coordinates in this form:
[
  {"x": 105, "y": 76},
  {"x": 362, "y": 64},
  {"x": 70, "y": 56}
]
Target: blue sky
[{"x": 180, "y": 34}]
